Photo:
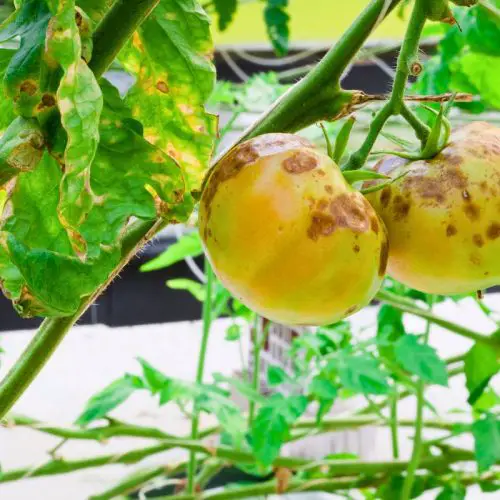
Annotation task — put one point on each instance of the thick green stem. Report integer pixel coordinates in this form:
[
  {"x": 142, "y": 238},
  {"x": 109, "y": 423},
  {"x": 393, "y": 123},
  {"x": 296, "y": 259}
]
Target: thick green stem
[
  {"x": 406, "y": 306},
  {"x": 207, "y": 322},
  {"x": 407, "y": 55},
  {"x": 417, "y": 438},
  {"x": 422, "y": 131},
  {"x": 115, "y": 29}
]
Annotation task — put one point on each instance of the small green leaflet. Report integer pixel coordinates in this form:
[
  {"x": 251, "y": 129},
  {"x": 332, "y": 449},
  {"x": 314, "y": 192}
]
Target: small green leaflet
[
  {"x": 271, "y": 426},
  {"x": 187, "y": 246},
  {"x": 170, "y": 56},
  {"x": 108, "y": 399},
  {"x": 420, "y": 360},
  {"x": 241, "y": 386},
  {"x": 455, "y": 491},
  {"x": 481, "y": 364},
  {"x": 80, "y": 103},
  {"x": 276, "y": 19},
  {"x": 362, "y": 374},
  {"x": 225, "y": 10},
  {"x": 276, "y": 375},
  {"x": 195, "y": 288},
  {"x": 487, "y": 441},
  {"x": 390, "y": 328},
  {"x": 325, "y": 391}
]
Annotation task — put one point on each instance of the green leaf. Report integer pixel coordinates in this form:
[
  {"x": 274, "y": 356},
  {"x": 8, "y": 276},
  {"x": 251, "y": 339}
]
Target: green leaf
[
  {"x": 390, "y": 328},
  {"x": 362, "y": 374},
  {"x": 6, "y": 107},
  {"x": 276, "y": 375},
  {"x": 480, "y": 365},
  {"x": 170, "y": 57},
  {"x": 420, "y": 360},
  {"x": 95, "y": 8},
  {"x": 455, "y": 491},
  {"x": 187, "y": 246},
  {"x": 225, "y": 11},
  {"x": 325, "y": 391},
  {"x": 244, "y": 388},
  {"x": 80, "y": 103},
  {"x": 481, "y": 29},
  {"x": 155, "y": 380},
  {"x": 276, "y": 19},
  {"x": 108, "y": 399},
  {"x": 196, "y": 289},
  {"x": 233, "y": 332},
  {"x": 487, "y": 441},
  {"x": 271, "y": 426}
]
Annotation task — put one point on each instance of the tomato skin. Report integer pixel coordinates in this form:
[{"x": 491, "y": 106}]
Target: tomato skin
[
  {"x": 443, "y": 216},
  {"x": 288, "y": 236}
]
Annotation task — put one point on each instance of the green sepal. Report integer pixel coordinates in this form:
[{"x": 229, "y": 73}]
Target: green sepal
[
  {"x": 352, "y": 176},
  {"x": 343, "y": 139}
]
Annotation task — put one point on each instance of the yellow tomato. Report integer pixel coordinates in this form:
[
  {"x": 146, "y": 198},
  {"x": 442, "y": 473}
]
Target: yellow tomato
[
  {"x": 288, "y": 236},
  {"x": 443, "y": 216}
]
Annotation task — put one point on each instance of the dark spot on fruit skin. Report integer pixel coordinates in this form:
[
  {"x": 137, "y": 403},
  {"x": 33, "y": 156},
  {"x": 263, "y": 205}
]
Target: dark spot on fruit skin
[
  {"x": 385, "y": 196},
  {"x": 351, "y": 310},
  {"x": 321, "y": 225},
  {"x": 321, "y": 173},
  {"x": 329, "y": 189},
  {"x": 466, "y": 195},
  {"x": 451, "y": 230},
  {"x": 475, "y": 259},
  {"x": 384, "y": 256},
  {"x": 493, "y": 231},
  {"x": 472, "y": 211},
  {"x": 400, "y": 208},
  {"x": 322, "y": 204},
  {"x": 484, "y": 186},
  {"x": 300, "y": 162},
  {"x": 374, "y": 225},
  {"x": 356, "y": 248},
  {"x": 478, "y": 240}
]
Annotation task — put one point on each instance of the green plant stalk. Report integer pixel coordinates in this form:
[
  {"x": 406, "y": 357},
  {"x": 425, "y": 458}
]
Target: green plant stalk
[
  {"x": 407, "y": 306},
  {"x": 407, "y": 54},
  {"x": 207, "y": 322},
  {"x": 394, "y": 425},
  {"x": 417, "y": 438},
  {"x": 279, "y": 119},
  {"x": 256, "y": 369},
  {"x": 422, "y": 131}
]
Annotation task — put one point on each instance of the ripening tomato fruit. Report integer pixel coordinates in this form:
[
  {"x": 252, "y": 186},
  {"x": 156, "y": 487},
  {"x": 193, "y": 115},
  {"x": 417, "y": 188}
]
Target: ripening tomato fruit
[
  {"x": 443, "y": 216},
  {"x": 288, "y": 236}
]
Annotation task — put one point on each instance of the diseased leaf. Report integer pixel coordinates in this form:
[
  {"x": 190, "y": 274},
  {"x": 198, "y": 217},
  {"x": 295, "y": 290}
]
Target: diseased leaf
[
  {"x": 362, "y": 374},
  {"x": 170, "y": 57},
  {"x": 80, "y": 102},
  {"x": 480, "y": 365},
  {"x": 271, "y": 426},
  {"x": 187, "y": 246},
  {"x": 108, "y": 399},
  {"x": 95, "y": 8},
  {"x": 487, "y": 441},
  {"x": 421, "y": 360}
]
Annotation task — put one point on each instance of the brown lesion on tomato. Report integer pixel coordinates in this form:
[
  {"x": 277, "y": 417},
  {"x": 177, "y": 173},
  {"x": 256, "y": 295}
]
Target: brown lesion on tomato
[
  {"x": 400, "y": 208},
  {"x": 356, "y": 248},
  {"x": 321, "y": 225},
  {"x": 351, "y": 212},
  {"x": 472, "y": 211},
  {"x": 384, "y": 257},
  {"x": 351, "y": 310},
  {"x": 374, "y": 225},
  {"x": 493, "y": 231},
  {"x": 385, "y": 196},
  {"x": 329, "y": 189},
  {"x": 478, "y": 240},
  {"x": 475, "y": 259},
  {"x": 451, "y": 230},
  {"x": 300, "y": 162}
]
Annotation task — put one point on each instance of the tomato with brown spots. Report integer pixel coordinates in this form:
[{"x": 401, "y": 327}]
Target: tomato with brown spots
[
  {"x": 288, "y": 236},
  {"x": 443, "y": 216}
]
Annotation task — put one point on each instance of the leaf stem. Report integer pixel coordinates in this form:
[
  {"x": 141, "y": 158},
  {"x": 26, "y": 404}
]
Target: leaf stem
[
  {"x": 417, "y": 438},
  {"x": 394, "y": 424},
  {"x": 422, "y": 131},
  {"x": 207, "y": 322},
  {"x": 407, "y": 54}
]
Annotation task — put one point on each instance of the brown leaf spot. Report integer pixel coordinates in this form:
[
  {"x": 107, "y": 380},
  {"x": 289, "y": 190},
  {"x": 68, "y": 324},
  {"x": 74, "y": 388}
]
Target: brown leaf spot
[
  {"x": 451, "y": 230},
  {"x": 300, "y": 162},
  {"x": 401, "y": 208},
  {"x": 385, "y": 196},
  {"x": 493, "y": 231},
  {"x": 162, "y": 86},
  {"x": 478, "y": 240},
  {"x": 28, "y": 87},
  {"x": 384, "y": 256}
]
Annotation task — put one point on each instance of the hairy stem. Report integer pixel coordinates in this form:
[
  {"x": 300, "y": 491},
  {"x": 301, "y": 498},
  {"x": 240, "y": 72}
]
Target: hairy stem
[{"x": 207, "y": 321}]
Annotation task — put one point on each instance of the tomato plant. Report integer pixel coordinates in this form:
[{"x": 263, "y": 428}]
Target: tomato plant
[{"x": 88, "y": 176}]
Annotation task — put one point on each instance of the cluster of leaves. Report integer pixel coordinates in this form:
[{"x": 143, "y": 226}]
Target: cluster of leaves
[
  {"x": 467, "y": 57},
  {"x": 275, "y": 17},
  {"x": 78, "y": 161}
]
